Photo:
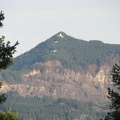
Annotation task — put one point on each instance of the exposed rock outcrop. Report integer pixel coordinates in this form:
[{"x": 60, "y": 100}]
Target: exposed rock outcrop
[{"x": 56, "y": 81}]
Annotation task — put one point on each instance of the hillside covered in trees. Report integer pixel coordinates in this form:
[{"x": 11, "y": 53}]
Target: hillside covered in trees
[
  {"x": 62, "y": 78},
  {"x": 71, "y": 52},
  {"x": 48, "y": 108}
]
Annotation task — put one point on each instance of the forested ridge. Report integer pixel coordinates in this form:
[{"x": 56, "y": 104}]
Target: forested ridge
[{"x": 71, "y": 52}]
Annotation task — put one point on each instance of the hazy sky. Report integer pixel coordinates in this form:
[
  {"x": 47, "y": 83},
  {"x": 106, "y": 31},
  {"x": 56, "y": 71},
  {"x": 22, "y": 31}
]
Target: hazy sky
[{"x": 33, "y": 21}]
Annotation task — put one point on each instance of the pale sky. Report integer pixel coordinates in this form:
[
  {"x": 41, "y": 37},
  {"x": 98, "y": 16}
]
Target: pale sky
[{"x": 33, "y": 21}]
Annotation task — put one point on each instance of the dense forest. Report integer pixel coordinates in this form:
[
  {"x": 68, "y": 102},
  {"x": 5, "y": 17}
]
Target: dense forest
[
  {"x": 48, "y": 108},
  {"x": 71, "y": 52}
]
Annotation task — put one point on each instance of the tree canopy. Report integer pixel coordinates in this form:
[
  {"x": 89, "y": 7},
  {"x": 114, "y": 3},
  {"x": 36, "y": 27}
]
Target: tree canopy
[
  {"x": 114, "y": 95},
  {"x": 6, "y": 55}
]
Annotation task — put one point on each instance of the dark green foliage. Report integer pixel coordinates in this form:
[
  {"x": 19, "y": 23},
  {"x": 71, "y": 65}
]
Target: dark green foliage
[
  {"x": 6, "y": 51},
  {"x": 1, "y": 18},
  {"x": 8, "y": 115},
  {"x": 2, "y": 97},
  {"x": 6, "y": 55},
  {"x": 114, "y": 95},
  {"x": 48, "y": 108},
  {"x": 71, "y": 52}
]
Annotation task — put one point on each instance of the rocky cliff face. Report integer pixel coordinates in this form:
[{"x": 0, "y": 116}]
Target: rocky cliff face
[{"x": 52, "y": 79}]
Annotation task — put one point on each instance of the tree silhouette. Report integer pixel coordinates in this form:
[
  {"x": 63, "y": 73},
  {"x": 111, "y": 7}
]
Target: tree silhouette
[
  {"x": 6, "y": 56},
  {"x": 114, "y": 95}
]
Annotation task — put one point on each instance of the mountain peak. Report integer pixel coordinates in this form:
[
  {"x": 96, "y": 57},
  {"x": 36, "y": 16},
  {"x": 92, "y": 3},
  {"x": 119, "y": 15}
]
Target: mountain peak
[{"x": 61, "y": 34}]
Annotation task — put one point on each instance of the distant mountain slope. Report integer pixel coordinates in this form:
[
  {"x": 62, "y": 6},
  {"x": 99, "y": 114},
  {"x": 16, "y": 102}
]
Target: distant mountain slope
[
  {"x": 64, "y": 68},
  {"x": 71, "y": 52}
]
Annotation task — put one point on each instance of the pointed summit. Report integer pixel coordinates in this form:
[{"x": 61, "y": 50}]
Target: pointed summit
[{"x": 61, "y": 34}]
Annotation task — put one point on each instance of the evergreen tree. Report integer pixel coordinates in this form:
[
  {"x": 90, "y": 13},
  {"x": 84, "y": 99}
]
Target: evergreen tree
[
  {"x": 8, "y": 115},
  {"x": 114, "y": 95},
  {"x": 6, "y": 55}
]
